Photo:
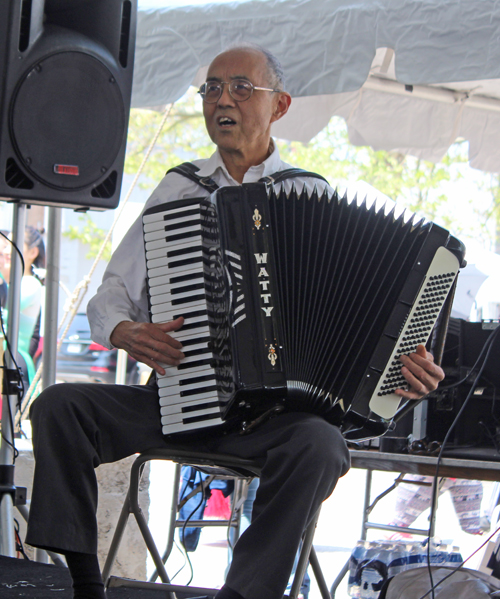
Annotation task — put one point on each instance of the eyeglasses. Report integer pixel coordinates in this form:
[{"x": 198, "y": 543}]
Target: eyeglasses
[{"x": 239, "y": 89}]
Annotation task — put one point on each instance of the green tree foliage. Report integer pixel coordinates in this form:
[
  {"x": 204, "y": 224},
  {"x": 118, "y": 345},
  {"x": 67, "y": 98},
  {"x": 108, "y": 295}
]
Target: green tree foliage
[
  {"x": 91, "y": 235},
  {"x": 183, "y": 138},
  {"x": 489, "y": 216},
  {"x": 415, "y": 184}
]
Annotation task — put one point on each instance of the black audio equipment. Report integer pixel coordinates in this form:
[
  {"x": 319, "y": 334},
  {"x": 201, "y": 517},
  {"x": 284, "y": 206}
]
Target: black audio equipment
[
  {"x": 65, "y": 88},
  {"x": 292, "y": 302},
  {"x": 478, "y": 428}
]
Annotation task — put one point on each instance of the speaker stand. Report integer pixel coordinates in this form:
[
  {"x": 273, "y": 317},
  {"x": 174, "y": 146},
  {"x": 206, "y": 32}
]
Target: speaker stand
[{"x": 9, "y": 397}]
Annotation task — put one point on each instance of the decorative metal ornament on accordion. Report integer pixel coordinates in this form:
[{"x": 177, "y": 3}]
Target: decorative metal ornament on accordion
[{"x": 294, "y": 302}]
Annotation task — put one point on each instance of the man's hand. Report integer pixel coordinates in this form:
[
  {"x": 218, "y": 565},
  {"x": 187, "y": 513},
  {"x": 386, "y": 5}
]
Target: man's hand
[
  {"x": 422, "y": 375},
  {"x": 149, "y": 343}
]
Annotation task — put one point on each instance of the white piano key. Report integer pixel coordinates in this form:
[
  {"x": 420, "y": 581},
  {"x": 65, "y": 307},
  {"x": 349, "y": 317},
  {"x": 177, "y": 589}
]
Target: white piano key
[
  {"x": 179, "y": 416},
  {"x": 168, "y": 315},
  {"x": 161, "y": 225},
  {"x": 169, "y": 405},
  {"x": 186, "y": 361},
  {"x": 183, "y": 245},
  {"x": 182, "y": 242},
  {"x": 172, "y": 292},
  {"x": 200, "y": 345},
  {"x": 175, "y": 376},
  {"x": 169, "y": 264},
  {"x": 163, "y": 250},
  {"x": 184, "y": 252},
  {"x": 189, "y": 227},
  {"x": 159, "y": 290},
  {"x": 191, "y": 333},
  {"x": 185, "y": 304},
  {"x": 176, "y": 390},
  {"x": 172, "y": 295},
  {"x": 159, "y": 216},
  {"x": 179, "y": 427},
  {"x": 155, "y": 282}
]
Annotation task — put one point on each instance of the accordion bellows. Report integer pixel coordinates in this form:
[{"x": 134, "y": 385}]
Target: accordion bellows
[{"x": 300, "y": 302}]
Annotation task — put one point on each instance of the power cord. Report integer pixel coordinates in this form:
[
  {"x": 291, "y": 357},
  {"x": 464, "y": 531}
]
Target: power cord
[{"x": 485, "y": 351}]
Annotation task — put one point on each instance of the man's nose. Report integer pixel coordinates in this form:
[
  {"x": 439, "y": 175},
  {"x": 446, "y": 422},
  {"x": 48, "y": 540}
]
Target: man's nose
[{"x": 226, "y": 99}]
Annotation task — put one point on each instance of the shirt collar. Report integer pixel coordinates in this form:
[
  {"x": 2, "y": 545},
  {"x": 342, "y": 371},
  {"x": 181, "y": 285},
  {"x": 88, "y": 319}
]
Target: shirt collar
[{"x": 271, "y": 165}]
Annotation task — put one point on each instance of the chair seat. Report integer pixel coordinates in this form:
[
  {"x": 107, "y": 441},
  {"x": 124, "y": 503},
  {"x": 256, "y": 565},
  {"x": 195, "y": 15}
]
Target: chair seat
[
  {"x": 210, "y": 463},
  {"x": 214, "y": 464}
]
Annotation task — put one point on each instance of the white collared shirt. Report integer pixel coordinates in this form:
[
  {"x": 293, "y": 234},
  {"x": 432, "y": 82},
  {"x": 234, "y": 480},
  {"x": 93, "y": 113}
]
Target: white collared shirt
[{"x": 123, "y": 292}]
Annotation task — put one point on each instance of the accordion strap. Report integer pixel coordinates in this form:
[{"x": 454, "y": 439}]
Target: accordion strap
[
  {"x": 189, "y": 170},
  {"x": 289, "y": 173}
]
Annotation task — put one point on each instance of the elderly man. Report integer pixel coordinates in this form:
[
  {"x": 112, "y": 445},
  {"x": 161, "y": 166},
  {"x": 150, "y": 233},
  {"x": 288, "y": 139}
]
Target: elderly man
[{"x": 77, "y": 427}]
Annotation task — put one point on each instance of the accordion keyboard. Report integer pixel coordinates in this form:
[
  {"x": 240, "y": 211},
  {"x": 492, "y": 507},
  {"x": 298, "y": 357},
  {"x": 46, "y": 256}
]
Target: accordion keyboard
[{"x": 174, "y": 256}]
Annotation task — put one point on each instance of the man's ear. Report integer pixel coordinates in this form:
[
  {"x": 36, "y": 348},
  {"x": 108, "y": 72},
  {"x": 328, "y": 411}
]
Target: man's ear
[{"x": 282, "y": 106}]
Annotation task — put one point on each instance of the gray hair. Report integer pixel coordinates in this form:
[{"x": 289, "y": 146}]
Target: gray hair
[{"x": 275, "y": 70}]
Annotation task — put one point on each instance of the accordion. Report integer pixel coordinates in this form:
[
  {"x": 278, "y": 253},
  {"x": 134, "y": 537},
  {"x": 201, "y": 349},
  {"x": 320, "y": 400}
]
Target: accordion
[{"x": 293, "y": 302}]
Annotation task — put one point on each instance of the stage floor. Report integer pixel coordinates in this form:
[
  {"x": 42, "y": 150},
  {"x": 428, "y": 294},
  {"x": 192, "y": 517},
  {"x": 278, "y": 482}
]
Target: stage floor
[{"x": 23, "y": 579}]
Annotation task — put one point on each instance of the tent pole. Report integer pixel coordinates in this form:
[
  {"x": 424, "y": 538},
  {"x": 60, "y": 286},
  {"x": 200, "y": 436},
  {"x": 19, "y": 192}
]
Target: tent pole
[
  {"x": 51, "y": 296},
  {"x": 50, "y": 318}
]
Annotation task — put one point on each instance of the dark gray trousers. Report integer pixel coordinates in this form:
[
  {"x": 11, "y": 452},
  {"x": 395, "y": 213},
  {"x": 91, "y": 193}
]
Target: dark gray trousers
[{"x": 76, "y": 427}]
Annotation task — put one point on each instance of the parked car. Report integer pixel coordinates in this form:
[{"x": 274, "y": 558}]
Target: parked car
[{"x": 82, "y": 360}]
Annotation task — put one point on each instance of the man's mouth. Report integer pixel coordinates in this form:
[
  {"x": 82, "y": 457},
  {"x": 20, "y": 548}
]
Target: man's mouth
[{"x": 225, "y": 121}]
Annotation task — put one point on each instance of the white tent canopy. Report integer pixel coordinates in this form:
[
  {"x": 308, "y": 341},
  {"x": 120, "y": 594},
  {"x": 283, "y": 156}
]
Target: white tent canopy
[{"x": 408, "y": 75}]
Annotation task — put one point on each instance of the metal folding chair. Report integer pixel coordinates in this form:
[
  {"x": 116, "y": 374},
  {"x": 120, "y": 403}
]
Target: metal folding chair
[{"x": 220, "y": 465}]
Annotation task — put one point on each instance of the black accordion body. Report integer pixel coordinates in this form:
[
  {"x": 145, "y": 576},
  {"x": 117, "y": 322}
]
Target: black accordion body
[{"x": 292, "y": 302}]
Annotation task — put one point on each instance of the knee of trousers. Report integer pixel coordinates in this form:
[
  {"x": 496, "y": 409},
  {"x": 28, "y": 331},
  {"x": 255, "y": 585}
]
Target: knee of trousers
[
  {"x": 54, "y": 406},
  {"x": 322, "y": 446}
]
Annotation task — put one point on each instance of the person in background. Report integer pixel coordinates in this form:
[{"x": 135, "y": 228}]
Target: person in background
[
  {"x": 4, "y": 242},
  {"x": 31, "y": 296},
  {"x": 413, "y": 499}
]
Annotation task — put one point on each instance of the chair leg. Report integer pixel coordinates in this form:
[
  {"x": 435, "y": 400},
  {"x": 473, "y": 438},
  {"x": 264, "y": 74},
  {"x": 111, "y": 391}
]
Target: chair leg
[
  {"x": 117, "y": 538},
  {"x": 304, "y": 557},
  {"x": 318, "y": 575},
  {"x": 135, "y": 508},
  {"x": 131, "y": 506},
  {"x": 173, "y": 517}
]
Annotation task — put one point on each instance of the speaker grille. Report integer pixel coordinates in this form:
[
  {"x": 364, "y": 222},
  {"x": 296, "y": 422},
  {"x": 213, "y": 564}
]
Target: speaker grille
[
  {"x": 14, "y": 176},
  {"x": 125, "y": 33},
  {"x": 68, "y": 110},
  {"x": 24, "y": 25},
  {"x": 107, "y": 188}
]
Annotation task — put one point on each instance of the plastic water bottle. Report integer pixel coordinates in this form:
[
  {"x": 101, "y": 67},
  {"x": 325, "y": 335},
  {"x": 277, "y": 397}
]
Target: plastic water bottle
[
  {"x": 399, "y": 558},
  {"x": 374, "y": 570},
  {"x": 416, "y": 555},
  {"x": 454, "y": 558},
  {"x": 354, "y": 581}
]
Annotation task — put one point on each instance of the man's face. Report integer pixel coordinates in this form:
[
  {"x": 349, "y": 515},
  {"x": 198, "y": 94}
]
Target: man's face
[{"x": 241, "y": 127}]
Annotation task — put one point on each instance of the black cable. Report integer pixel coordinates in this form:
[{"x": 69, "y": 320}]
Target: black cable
[
  {"x": 485, "y": 347},
  {"x": 486, "y": 350},
  {"x": 183, "y": 552},
  {"x": 20, "y": 391},
  {"x": 183, "y": 530},
  {"x": 460, "y": 566},
  {"x": 19, "y": 543}
]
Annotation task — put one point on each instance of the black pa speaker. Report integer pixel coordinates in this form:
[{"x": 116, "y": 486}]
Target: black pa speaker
[
  {"x": 65, "y": 86},
  {"x": 479, "y": 424}
]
